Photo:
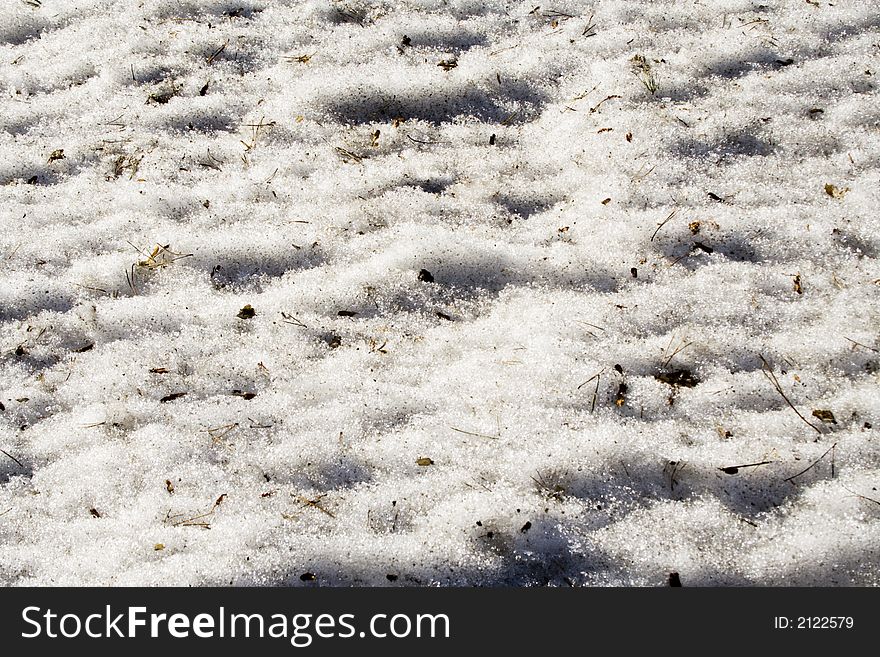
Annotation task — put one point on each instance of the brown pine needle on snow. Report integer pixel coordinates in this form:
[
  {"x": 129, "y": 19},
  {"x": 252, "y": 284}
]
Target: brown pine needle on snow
[
  {"x": 813, "y": 464},
  {"x": 768, "y": 373}
]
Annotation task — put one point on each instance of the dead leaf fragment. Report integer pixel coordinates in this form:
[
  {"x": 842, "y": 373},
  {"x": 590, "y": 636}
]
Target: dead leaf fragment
[{"x": 835, "y": 192}]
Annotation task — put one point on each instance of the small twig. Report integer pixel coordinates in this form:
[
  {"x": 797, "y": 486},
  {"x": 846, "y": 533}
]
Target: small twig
[
  {"x": 772, "y": 378},
  {"x": 812, "y": 464}
]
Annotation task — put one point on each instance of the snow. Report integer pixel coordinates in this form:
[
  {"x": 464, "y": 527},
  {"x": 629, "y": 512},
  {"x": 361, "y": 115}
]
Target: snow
[{"x": 662, "y": 193}]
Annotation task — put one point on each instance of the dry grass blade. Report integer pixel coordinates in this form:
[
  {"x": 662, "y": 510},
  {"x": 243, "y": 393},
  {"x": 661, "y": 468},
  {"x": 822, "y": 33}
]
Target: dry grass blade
[
  {"x": 20, "y": 464},
  {"x": 547, "y": 488},
  {"x": 734, "y": 469},
  {"x": 300, "y": 59},
  {"x": 217, "y": 53},
  {"x": 315, "y": 504},
  {"x": 681, "y": 347},
  {"x": 290, "y": 319},
  {"x": 211, "y": 163},
  {"x": 590, "y": 29},
  {"x": 859, "y": 495},
  {"x": 595, "y": 376},
  {"x": 813, "y": 464},
  {"x": 217, "y": 433},
  {"x": 510, "y": 118},
  {"x": 663, "y": 223},
  {"x": 199, "y": 520},
  {"x": 256, "y": 130},
  {"x": 768, "y": 373},
  {"x": 160, "y": 256},
  {"x": 421, "y": 141},
  {"x": 473, "y": 433},
  {"x": 596, "y": 107},
  {"x": 859, "y": 344},
  {"x": 598, "y": 378},
  {"x": 348, "y": 155}
]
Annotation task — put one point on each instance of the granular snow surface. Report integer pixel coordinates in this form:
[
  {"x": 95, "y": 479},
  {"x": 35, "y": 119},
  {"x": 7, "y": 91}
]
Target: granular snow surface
[{"x": 439, "y": 292}]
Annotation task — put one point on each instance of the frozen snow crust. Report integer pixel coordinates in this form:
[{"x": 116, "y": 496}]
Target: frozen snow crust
[{"x": 307, "y": 158}]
